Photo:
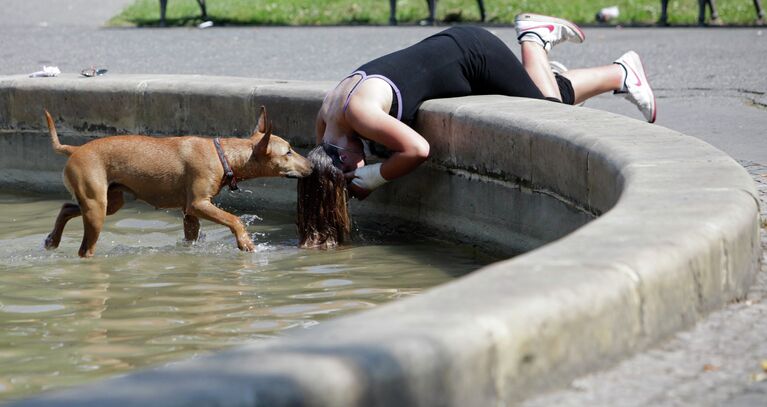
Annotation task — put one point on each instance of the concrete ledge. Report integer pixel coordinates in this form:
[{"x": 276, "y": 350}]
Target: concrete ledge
[{"x": 676, "y": 236}]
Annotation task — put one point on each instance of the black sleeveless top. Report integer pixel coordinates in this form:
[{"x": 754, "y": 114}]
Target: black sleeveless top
[{"x": 448, "y": 64}]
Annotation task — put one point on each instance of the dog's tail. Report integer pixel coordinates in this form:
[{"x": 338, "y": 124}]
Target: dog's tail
[{"x": 57, "y": 146}]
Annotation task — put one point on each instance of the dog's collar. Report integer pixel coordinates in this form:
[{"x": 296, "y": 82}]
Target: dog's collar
[{"x": 229, "y": 178}]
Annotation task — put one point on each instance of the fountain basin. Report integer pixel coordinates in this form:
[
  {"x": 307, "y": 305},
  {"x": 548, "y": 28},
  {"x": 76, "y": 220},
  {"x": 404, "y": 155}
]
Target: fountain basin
[{"x": 643, "y": 231}]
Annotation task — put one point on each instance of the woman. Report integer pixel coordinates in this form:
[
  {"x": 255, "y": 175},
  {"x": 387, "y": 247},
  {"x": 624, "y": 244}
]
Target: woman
[
  {"x": 369, "y": 110},
  {"x": 375, "y": 102}
]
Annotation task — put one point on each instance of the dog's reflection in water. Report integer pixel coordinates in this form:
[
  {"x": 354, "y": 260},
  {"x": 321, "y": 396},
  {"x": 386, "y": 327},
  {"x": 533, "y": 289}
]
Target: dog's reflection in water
[{"x": 322, "y": 207}]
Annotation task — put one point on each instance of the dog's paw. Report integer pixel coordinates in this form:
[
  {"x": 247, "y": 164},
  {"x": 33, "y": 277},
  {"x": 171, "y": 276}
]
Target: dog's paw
[
  {"x": 246, "y": 246},
  {"x": 49, "y": 243}
]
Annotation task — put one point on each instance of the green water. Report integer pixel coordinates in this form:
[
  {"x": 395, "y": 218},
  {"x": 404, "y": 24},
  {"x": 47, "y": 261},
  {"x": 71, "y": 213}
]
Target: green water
[{"x": 148, "y": 298}]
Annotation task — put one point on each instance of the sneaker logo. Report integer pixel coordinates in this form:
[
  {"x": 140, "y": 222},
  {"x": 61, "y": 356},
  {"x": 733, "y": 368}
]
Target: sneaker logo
[
  {"x": 639, "y": 80},
  {"x": 547, "y": 26}
]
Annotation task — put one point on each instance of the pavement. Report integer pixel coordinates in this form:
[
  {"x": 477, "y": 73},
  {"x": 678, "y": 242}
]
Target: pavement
[{"x": 711, "y": 83}]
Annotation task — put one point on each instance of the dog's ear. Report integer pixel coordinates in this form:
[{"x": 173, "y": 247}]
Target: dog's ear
[
  {"x": 263, "y": 120},
  {"x": 262, "y": 147}
]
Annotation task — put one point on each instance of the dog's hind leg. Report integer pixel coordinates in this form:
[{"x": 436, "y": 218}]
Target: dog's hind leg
[
  {"x": 91, "y": 222},
  {"x": 94, "y": 212},
  {"x": 68, "y": 212},
  {"x": 191, "y": 228}
]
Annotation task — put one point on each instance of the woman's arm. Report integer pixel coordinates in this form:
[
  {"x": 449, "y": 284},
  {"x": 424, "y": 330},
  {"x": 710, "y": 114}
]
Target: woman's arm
[{"x": 409, "y": 148}]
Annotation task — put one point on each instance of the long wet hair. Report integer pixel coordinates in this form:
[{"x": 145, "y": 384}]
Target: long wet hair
[{"x": 322, "y": 207}]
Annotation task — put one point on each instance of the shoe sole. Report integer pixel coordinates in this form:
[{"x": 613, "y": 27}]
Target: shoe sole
[
  {"x": 548, "y": 19},
  {"x": 644, "y": 77},
  {"x": 557, "y": 67}
]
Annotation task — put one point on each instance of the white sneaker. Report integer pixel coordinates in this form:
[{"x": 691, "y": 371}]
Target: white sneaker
[
  {"x": 560, "y": 68},
  {"x": 545, "y": 30},
  {"x": 636, "y": 88}
]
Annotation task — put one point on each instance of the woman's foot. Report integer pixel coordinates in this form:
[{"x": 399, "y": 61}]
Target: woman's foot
[
  {"x": 636, "y": 88},
  {"x": 546, "y": 31}
]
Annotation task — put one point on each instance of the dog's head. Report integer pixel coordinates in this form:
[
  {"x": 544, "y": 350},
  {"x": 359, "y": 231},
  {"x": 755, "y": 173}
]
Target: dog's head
[{"x": 273, "y": 155}]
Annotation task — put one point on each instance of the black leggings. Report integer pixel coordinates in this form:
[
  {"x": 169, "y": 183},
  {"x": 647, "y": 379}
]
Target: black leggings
[{"x": 459, "y": 61}]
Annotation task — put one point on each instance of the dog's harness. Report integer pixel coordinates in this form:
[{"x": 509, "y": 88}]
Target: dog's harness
[{"x": 229, "y": 177}]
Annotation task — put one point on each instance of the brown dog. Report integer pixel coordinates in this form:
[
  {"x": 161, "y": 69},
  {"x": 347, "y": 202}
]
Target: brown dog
[{"x": 171, "y": 172}]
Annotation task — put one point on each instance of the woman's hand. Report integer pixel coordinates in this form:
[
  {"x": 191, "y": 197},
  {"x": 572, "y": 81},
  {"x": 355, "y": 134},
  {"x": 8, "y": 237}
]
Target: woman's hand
[
  {"x": 355, "y": 190},
  {"x": 363, "y": 180}
]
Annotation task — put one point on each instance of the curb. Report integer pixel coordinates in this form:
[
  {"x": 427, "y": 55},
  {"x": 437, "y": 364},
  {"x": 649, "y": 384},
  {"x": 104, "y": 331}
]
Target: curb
[{"x": 677, "y": 236}]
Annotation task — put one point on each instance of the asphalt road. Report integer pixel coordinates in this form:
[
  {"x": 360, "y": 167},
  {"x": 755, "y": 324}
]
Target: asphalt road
[{"x": 711, "y": 83}]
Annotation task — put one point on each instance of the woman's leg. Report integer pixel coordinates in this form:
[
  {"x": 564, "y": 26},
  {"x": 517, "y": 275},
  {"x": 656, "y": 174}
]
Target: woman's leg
[
  {"x": 625, "y": 76},
  {"x": 537, "y": 34},
  {"x": 586, "y": 83},
  {"x": 535, "y": 59},
  {"x": 590, "y": 82}
]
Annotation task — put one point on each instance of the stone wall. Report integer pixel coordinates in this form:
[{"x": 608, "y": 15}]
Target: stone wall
[{"x": 676, "y": 236}]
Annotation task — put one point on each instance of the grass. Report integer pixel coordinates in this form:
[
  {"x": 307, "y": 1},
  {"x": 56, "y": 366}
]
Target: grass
[{"x": 376, "y": 12}]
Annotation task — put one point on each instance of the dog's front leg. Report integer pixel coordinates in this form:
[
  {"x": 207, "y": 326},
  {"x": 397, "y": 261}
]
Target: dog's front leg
[
  {"x": 206, "y": 210},
  {"x": 191, "y": 228}
]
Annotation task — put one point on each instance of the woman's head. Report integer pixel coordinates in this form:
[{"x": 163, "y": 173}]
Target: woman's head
[
  {"x": 348, "y": 153},
  {"x": 322, "y": 214}
]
